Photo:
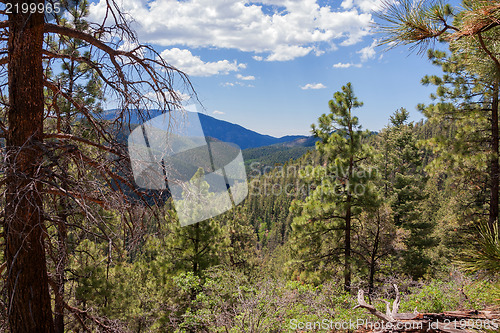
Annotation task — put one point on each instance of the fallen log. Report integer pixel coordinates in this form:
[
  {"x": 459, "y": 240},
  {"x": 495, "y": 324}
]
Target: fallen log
[{"x": 472, "y": 321}]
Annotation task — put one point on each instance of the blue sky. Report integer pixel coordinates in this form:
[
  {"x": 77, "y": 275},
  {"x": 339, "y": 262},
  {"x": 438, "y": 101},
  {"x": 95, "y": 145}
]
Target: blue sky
[{"x": 273, "y": 65}]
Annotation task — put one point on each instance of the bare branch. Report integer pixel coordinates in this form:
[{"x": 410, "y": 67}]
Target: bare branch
[
  {"x": 362, "y": 304},
  {"x": 82, "y": 140},
  {"x": 76, "y": 195}
]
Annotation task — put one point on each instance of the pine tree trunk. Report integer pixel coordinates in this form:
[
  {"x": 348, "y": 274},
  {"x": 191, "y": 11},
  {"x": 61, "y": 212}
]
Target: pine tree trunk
[
  {"x": 29, "y": 306},
  {"x": 60, "y": 267},
  {"x": 494, "y": 165},
  {"x": 347, "y": 241},
  {"x": 196, "y": 265},
  {"x": 373, "y": 260},
  {"x": 62, "y": 214},
  {"x": 347, "y": 247}
]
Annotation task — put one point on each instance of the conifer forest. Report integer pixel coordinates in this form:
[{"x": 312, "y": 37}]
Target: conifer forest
[{"x": 356, "y": 232}]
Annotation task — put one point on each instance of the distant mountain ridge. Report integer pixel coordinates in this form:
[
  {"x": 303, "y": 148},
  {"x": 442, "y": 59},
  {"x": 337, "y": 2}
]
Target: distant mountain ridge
[
  {"x": 224, "y": 131},
  {"x": 243, "y": 137},
  {"x": 261, "y": 158}
]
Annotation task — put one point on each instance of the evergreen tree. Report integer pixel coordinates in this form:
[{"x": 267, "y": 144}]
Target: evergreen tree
[
  {"x": 407, "y": 192},
  {"x": 342, "y": 187},
  {"x": 32, "y": 176},
  {"x": 82, "y": 84},
  {"x": 194, "y": 247},
  {"x": 471, "y": 84},
  {"x": 239, "y": 242}
]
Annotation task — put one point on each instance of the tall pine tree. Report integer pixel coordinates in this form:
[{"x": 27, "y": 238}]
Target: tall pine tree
[{"x": 341, "y": 188}]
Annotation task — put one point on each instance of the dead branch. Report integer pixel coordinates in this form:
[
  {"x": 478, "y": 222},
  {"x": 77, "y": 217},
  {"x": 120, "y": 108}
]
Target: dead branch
[
  {"x": 371, "y": 308},
  {"x": 446, "y": 322}
]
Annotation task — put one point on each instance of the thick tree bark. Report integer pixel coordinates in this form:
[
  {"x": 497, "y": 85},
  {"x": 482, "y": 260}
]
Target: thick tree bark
[
  {"x": 29, "y": 306},
  {"x": 494, "y": 166}
]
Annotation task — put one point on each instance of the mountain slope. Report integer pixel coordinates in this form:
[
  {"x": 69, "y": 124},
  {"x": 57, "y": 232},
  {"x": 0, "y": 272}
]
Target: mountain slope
[
  {"x": 221, "y": 130},
  {"x": 245, "y": 138},
  {"x": 261, "y": 158}
]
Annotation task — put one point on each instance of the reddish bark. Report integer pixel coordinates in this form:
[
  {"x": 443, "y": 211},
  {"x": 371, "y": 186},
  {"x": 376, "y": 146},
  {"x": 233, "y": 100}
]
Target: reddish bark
[{"x": 29, "y": 307}]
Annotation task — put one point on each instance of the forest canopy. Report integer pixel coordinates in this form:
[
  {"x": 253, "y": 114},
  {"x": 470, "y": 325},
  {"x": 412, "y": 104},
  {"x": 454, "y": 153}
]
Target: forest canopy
[{"x": 84, "y": 249}]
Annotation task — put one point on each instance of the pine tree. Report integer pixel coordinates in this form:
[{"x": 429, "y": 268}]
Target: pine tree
[
  {"x": 407, "y": 192},
  {"x": 341, "y": 188},
  {"x": 471, "y": 83},
  {"x": 239, "y": 243},
  {"x": 194, "y": 247},
  {"x": 31, "y": 173},
  {"x": 81, "y": 83}
]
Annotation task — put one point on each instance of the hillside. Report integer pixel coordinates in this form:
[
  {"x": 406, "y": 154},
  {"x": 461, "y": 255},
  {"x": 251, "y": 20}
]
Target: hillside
[
  {"x": 262, "y": 157},
  {"x": 223, "y": 130},
  {"x": 243, "y": 137}
]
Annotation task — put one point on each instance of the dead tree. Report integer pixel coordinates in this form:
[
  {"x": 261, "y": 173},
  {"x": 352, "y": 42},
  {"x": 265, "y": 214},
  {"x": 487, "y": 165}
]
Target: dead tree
[
  {"x": 446, "y": 322},
  {"x": 32, "y": 175}
]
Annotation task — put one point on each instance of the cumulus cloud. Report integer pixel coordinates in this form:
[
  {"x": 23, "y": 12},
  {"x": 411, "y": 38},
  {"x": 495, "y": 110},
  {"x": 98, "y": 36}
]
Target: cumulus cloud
[
  {"x": 217, "y": 112},
  {"x": 193, "y": 65},
  {"x": 368, "y": 52},
  {"x": 275, "y": 30},
  {"x": 364, "y": 5},
  {"x": 286, "y": 52},
  {"x": 346, "y": 65},
  {"x": 313, "y": 86},
  {"x": 245, "y": 78}
]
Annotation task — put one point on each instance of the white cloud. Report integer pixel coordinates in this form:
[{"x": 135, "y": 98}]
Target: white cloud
[
  {"x": 154, "y": 100},
  {"x": 193, "y": 65},
  {"x": 318, "y": 52},
  {"x": 313, "y": 86},
  {"x": 245, "y": 78},
  {"x": 364, "y": 5},
  {"x": 346, "y": 65},
  {"x": 285, "y": 52},
  {"x": 291, "y": 30},
  {"x": 234, "y": 84},
  {"x": 217, "y": 112},
  {"x": 183, "y": 96},
  {"x": 258, "y": 58},
  {"x": 368, "y": 52}
]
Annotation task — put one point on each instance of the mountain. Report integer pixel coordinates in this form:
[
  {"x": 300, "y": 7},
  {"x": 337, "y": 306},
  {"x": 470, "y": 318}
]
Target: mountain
[
  {"x": 261, "y": 158},
  {"x": 259, "y": 151},
  {"x": 243, "y": 137},
  {"x": 221, "y": 130}
]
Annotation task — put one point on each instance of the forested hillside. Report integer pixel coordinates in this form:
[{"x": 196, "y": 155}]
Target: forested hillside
[
  {"x": 415, "y": 205},
  {"x": 263, "y": 159}
]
